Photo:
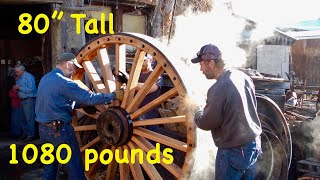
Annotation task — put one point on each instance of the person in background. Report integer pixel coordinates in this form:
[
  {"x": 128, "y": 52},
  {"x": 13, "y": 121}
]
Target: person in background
[
  {"x": 17, "y": 116},
  {"x": 231, "y": 115},
  {"x": 27, "y": 91},
  {"x": 155, "y": 90},
  {"x": 57, "y": 96}
]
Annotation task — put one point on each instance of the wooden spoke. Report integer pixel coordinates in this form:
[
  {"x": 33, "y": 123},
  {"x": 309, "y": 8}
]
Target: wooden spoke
[
  {"x": 75, "y": 124},
  {"x": 135, "y": 168},
  {"x": 124, "y": 168},
  {"x": 82, "y": 85},
  {"x": 95, "y": 116},
  {"x": 91, "y": 143},
  {"x": 145, "y": 89},
  {"x": 156, "y": 102},
  {"x": 94, "y": 166},
  {"x": 101, "y": 108},
  {"x": 149, "y": 168},
  {"x": 94, "y": 77},
  {"x": 86, "y": 128},
  {"x": 157, "y": 121},
  {"x": 103, "y": 59},
  {"x": 134, "y": 77},
  {"x": 120, "y": 60},
  {"x": 161, "y": 138},
  {"x": 112, "y": 166},
  {"x": 147, "y": 146}
]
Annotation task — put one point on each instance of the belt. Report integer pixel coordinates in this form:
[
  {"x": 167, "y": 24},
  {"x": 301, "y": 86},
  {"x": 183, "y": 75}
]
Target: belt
[{"x": 22, "y": 99}]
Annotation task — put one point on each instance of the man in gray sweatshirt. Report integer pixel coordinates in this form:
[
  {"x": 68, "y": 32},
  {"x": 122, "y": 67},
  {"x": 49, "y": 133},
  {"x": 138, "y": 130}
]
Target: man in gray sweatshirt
[{"x": 231, "y": 116}]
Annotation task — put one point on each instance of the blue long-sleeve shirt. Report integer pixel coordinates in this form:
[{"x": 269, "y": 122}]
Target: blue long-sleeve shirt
[
  {"x": 27, "y": 86},
  {"x": 57, "y": 94}
]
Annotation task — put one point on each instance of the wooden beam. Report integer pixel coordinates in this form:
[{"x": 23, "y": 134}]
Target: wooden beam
[
  {"x": 157, "y": 121},
  {"x": 149, "y": 168},
  {"x": 91, "y": 143},
  {"x": 134, "y": 77},
  {"x": 147, "y": 146},
  {"x": 156, "y": 102},
  {"x": 95, "y": 116},
  {"x": 135, "y": 168},
  {"x": 86, "y": 127},
  {"x": 112, "y": 167},
  {"x": 182, "y": 146},
  {"x": 123, "y": 167},
  {"x": 103, "y": 59},
  {"x": 145, "y": 89},
  {"x": 94, "y": 77}
]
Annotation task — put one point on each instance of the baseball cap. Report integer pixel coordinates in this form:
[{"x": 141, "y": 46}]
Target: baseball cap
[
  {"x": 207, "y": 52},
  {"x": 70, "y": 58}
]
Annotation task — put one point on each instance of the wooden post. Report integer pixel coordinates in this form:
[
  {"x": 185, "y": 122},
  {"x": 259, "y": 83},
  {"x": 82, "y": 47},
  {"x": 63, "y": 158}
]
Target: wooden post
[
  {"x": 64, "y": 36},
  {"x": 162, "y": 19},
  {"x": 118, "y": 18}
]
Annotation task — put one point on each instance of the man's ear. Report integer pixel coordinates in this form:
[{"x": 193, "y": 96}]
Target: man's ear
[
  {"x": 212, "y": 64},
  {"x": 67, "y": 64}
]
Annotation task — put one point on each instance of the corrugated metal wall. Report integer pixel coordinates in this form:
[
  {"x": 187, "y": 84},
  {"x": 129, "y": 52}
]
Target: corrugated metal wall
[{"x": 306, "y": 60}]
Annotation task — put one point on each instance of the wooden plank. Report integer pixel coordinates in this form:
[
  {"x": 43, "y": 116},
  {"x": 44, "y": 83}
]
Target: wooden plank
[
  {"x": 133, "y": 78},
  {"x": 112, "y": 167},
  {"x": 124, "y": 168},
  {"x": 82, "y": 85},
  {"x": 94, "y": 166},
  {"x": 147, "y": 146},
  {"x": 94, "y": 77},
  {"x": 182, "y": 146},
  {"x": 95, "y": 116},
  {"x": 157, "y": 121},
  {"x": 145, "y": 89},
  {"x": 156, "y": 102},
  {"x": 103, "y": 59},
  {"x": 86, "y": 128},
  {"x": 91, "y": 143},
  {"x": 75, "y": 124},
  {"x": 120, "y": 58},
  {"x": 149, "y": 168},
  {"x": 135, "y": 168},
  {"x": 96, "y": 82}
]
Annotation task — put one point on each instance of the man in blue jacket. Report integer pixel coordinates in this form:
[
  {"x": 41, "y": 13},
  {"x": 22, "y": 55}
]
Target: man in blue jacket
[{"x": 56, "y": 98}]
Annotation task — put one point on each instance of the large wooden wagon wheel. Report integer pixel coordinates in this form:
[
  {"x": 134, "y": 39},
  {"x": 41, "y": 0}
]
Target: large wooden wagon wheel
[{"x": 117, "y": 125}]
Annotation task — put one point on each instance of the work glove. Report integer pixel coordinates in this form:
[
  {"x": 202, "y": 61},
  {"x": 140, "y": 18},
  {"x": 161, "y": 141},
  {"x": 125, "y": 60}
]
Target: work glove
[
  {"x": 119, "y": 93},
  {"x": 90, "y": 109},
  {"x": 122, "y": 78}
]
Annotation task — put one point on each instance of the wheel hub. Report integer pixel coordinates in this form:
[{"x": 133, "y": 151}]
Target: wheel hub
[{"x": 114, "y": 126}]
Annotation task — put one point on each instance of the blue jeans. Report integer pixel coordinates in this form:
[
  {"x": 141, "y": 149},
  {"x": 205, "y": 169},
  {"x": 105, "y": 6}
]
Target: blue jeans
[
  {"x": 63, "y": 135},
  {"x": 17, "y": 118},
  {"x": 237, "y": 163},
  {"x": 29, "y": 114}
]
